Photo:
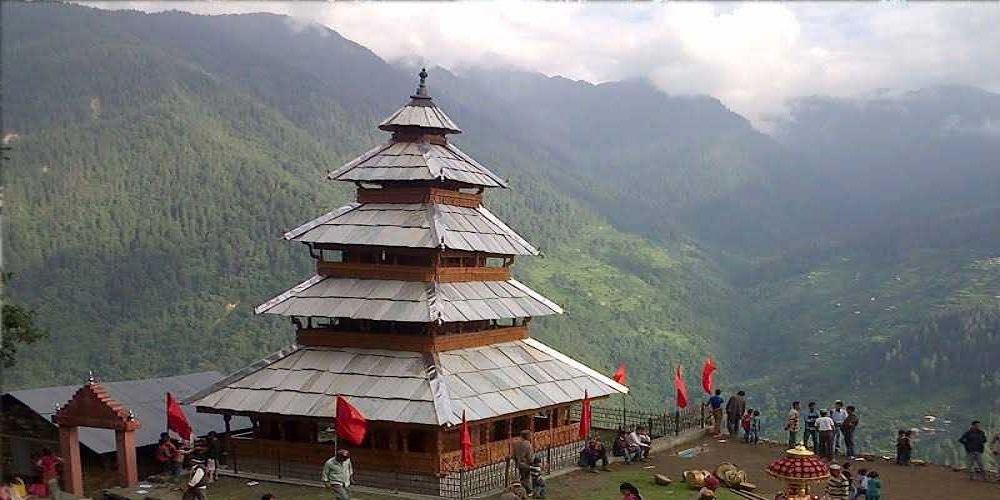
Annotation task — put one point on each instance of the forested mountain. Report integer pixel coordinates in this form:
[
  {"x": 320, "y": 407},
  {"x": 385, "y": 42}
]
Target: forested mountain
[{"x": 157, "y": 158}]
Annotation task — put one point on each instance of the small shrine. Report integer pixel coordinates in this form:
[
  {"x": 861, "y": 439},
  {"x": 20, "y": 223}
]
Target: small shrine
[
  {"x": 91, "y": 406},
  {"x": 799, "y": 469},
  {"x": 412, "y": 316}
]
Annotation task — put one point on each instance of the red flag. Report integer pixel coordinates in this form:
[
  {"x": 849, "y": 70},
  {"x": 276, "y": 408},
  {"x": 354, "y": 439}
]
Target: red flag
[
  {"x": 620, "y": 375},
  {"x": 351, "y": 423},
  {"x": 585, "y": 416},
  {"x": 682, "y": 391},
  {"x": 706, "y": 375},
  {"x": 468, "y": 459},
  {"x": 176, "y": 420}
]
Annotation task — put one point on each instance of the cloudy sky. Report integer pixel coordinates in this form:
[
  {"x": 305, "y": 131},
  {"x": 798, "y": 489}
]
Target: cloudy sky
[{"x": 751, "y": 56}]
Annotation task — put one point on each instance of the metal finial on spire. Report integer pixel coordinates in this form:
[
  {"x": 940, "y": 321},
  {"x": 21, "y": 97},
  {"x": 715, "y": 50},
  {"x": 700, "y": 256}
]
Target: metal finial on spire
[
  {"x": 131, "y": 416},
  {"x": 422, "y": 88},
  {"x": 90, "y": 377}
]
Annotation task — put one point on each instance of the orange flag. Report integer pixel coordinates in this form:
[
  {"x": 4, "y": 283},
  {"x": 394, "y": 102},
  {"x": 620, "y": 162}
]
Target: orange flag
[
  {"x": 176, "y": 419},
  {"x": 585, "y": 416},
  {"x": 682, "y": 392},
  {"x": 468, "y": 459},
  {"x": 351, "y": 424},
  {"x": 620, "y": 374},
  {"x": 706, "y": 375}
]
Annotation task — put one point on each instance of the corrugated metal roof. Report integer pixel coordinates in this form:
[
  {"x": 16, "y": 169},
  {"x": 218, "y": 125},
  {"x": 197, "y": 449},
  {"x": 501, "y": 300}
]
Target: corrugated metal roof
[
  {"x": 392, "y": 300},
  {"x": 411, "y": 387},
  {"x": 425, "y": 161},
  {"x": 414, "y": 225},
  {"x": 147, "y": 400}
]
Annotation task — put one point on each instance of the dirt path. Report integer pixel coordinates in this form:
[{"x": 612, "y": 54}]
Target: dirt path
[{"x": 899, "y": 483}]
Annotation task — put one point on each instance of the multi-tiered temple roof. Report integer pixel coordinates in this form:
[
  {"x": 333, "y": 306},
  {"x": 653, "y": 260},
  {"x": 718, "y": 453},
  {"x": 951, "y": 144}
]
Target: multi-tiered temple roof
[{"x": 412, "y": 314}]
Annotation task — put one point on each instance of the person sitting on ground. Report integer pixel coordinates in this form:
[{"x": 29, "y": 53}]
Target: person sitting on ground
[
  {"x": 595, "y": 452},
  {"x": 538, "y": 482},
  {"x": 746, "y": 422},
  {"x": 623, "y": 446},
  {"x": 874, "y": 487},
  {"x": 629, "y": 492},
  {"x": 634, "y": 447},
  {"x": 706, "y": 494},
  {"x": 861, "y": 485},
  {"x": 646, "y": 441},
  {"x": 838, "y": 486},
  {"x": 514, "y": 492},
  {"x": 7, "y": 491}
]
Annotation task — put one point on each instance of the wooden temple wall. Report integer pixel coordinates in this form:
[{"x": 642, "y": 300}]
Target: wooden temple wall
[{"x": 431, "y": 473}]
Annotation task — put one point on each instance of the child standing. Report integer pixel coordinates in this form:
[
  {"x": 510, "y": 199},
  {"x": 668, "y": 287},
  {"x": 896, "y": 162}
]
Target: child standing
[
  {"x": 861, "y": 485},
  {"x": 755, "y": 427},
  {"x": 874, "y": 487},
  {"x": 747, "y": 423}
]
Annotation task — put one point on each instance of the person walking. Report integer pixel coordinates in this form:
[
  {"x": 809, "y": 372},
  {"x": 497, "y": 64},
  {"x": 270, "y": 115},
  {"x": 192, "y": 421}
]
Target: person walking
[
  {"x": 337, "y": 474},
  {"x": 735, "y": 408},
  {"x": 848, "y": 427},
  {"x": 194, "y": 488},
  {"x": 715, "y": 403},
  {"x": 826, "y": 428},
  {"x": 974, "y": 441},
  {"x": 811, "y": 434},
  {"x": 792, "y": 425},
  {"x": 839, "y": 414},
  {"x": 524, "y": 453}
]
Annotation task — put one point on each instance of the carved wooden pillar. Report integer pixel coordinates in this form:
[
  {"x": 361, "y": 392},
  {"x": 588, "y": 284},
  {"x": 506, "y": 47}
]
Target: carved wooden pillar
[
  {"x": 128, "y": 471},
  {"x": 69, "y": 446}
]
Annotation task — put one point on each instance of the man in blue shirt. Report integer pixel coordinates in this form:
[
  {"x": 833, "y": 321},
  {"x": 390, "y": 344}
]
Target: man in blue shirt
[
  {"x": 812, "y": 434},
  {"x": 715, "y": 402}
]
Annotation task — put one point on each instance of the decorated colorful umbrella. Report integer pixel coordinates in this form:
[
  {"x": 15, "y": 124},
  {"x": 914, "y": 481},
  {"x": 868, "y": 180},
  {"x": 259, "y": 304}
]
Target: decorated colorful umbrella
[{"x": 799, "y": 468}]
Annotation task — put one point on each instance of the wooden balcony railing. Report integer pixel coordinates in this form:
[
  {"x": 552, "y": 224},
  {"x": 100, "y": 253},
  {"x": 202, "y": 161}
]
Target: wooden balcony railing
[
  {"x": 498, "y": 451},
  {"x": 411, "y": 273},
  {"x": 416, "y": 343}
]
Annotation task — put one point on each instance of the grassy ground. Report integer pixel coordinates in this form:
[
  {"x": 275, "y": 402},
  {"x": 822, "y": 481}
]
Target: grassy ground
[
  {"x": 910, "y": 483},
  {"x": 586, "y": 486}
]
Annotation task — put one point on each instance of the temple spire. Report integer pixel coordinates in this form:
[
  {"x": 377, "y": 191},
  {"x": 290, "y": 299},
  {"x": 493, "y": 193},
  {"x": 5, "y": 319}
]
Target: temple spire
[{"x": 422, "y": 87}]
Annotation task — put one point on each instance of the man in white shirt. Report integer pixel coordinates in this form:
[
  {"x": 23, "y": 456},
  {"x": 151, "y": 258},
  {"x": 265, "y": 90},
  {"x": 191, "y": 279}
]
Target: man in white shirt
[
  {"x": 839, "y": 415},
  {"x": 337, "y": 475},
  {"x": 195, "y": 488},
  {"x": 826, "y": 428}
]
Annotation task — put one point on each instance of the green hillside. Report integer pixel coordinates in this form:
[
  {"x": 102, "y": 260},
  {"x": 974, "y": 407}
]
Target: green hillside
[
  {"x": 147, "y": 195},
  {"x": 157, "y": 158}
]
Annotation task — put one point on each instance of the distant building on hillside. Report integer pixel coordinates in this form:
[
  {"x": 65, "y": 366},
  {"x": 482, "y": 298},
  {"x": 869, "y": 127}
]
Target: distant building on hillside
[
  {"x": 414, "y": 318},
  {"x": 26, "y": 425}
]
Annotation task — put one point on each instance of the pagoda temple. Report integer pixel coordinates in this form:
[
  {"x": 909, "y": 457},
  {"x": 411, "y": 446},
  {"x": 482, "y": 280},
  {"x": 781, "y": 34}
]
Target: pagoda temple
[{"x": 414, "y": 318}]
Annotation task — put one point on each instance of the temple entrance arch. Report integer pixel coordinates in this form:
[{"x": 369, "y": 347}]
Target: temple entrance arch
[{"x": 91, "y": 406}]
